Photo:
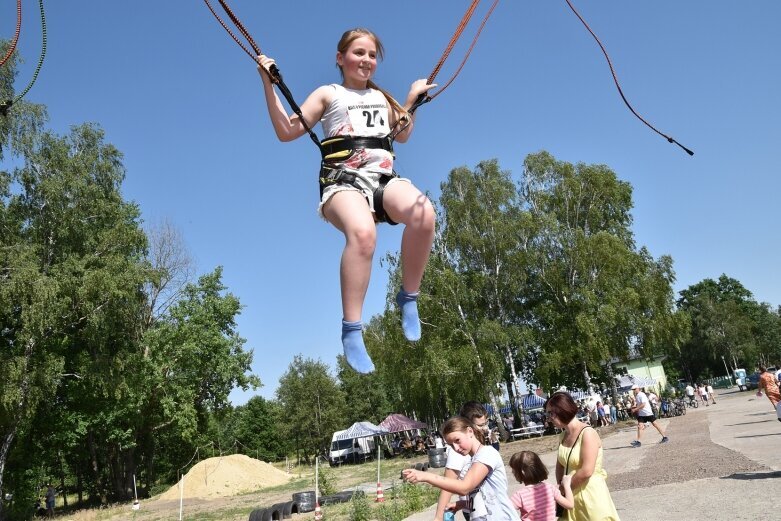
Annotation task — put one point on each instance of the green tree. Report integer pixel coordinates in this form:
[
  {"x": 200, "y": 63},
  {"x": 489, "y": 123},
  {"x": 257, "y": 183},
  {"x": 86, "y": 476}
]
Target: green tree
[
  {"x": 313, "y": 406},
  {"x": 194, "y": 358},
  {"x": 596, "y": 297},
  {"x": 469, "y": 301},
  {"x": 108, "y": 363},
  {"x": 70, "y": 260},
  {"x": 728, "y": 325},
  {"x": 258, "y": 429},
  {"x": 365, "y": 394}
]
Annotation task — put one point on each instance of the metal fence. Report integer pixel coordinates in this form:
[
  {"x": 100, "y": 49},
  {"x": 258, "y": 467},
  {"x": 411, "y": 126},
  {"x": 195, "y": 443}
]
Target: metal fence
[{"x": 720, "y": 382}]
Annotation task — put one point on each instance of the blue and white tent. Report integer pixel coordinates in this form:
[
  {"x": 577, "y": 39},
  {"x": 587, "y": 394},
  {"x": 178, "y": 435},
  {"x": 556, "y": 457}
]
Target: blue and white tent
[
  {"x": 579, "y": 395},
  {"x": 361, "y": 430},
  {"x": 625, "y": 382},
  {"x": 505, "y": 409},
  {"x": 532, "y": 401}
]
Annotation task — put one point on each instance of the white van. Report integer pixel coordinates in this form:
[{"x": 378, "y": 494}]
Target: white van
[{"x": 351, "y": 450}]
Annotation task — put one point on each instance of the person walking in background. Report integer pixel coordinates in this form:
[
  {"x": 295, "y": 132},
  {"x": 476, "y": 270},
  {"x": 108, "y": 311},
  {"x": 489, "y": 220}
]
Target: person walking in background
[
  {"x": 580, "y": 456},
  {"x": 768, "y": 383},
  {"x": 654, "y": 399},
  {"x": 645, "y": 414},
  {"x": 485, "y": 483},
  {"x": 51, "y": 496},
  {"x": 703, "y": 393},
  {"x": 690, "y": 393},
  {"x": 601, "y": 414},
  {"x": 709, "y": 390},
  {"x": 457, "y": 464},
  {"x": 537, "y": 500}
]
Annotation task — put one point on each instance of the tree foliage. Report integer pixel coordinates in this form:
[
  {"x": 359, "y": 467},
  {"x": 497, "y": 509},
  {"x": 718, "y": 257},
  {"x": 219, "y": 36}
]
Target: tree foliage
[
  {"x": 314, "y": 405},
  {"x": 727, "y": 326},
  {"x": 106, "y": 372},
  {"x": 538, "y": 277}
]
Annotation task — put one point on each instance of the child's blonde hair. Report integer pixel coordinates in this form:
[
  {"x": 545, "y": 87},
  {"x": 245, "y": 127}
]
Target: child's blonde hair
[
  {"x": 344, "y": 43},
  {"x": 528, "y": 467},
  {"x": 461, "y": 424}
]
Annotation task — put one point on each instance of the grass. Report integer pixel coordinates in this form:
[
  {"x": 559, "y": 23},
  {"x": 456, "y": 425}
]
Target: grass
[
  {"x": 401, "y": 500},
  {"x": 239, "y": 507}
]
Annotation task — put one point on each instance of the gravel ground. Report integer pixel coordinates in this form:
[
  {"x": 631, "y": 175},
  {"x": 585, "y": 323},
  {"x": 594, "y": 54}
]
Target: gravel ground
[
  {"x": 689, "y": 455},
  {"x": 722, "y": 463}
]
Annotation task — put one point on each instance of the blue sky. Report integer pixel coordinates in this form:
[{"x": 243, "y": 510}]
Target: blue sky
[{"x": 185, "y": 106}]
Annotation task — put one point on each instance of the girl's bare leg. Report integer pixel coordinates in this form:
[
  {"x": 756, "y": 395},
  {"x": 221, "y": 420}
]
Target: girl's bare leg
[
  {"x": 350, "y": 214},
  {"x": 406, "y": 205}
]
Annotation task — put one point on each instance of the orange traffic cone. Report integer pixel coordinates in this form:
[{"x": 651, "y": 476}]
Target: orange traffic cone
[
  {"x": 380, "y": 495},
  {"x": 318, "y": 512}
]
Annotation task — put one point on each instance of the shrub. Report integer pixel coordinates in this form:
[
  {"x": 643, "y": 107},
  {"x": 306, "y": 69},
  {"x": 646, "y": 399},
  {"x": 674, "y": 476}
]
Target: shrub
[
  {"x": 360, "y": 509},
  {"x": 327, "y": 478}
]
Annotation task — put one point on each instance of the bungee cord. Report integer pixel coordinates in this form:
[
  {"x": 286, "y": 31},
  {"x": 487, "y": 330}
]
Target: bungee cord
[
  {"x": 276, "y": 77},
  {"x": 403, "y": 122},
  {"x": 6, "y": 105},
  {"x": 446, "y": 54},
  {"x": 15, "y": 39},
  {"x": 618, "y": 85},
  {"x": 273, "y": 72}
]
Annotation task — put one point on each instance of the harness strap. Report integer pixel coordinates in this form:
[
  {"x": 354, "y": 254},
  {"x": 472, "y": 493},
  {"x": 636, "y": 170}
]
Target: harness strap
[
  {"x": 334, "y": 148},
  {"x": 330, "y": 176},
  {"x": 379, "y": 208}
]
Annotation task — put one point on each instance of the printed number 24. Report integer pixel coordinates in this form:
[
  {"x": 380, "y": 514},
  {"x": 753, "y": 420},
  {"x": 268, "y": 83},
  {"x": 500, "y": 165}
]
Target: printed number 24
[{"x": 371, "y": 118}]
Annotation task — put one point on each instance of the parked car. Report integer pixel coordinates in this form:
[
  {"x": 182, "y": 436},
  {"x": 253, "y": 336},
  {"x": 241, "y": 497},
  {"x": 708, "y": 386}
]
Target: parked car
[{"x": 752, "y": 381}]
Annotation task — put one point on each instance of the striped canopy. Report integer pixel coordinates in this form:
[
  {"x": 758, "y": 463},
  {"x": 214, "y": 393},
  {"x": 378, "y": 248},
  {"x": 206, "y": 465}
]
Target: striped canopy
[
  {"x": 627, "y": 381},
  {"x": 532, "y": 401},
  {"x": 361, "y": 430},
  {"x": 399, "y": 423}
]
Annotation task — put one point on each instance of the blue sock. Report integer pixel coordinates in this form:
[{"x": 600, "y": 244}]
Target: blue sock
[
  {"x": 354, "y": 349},
  {"x": 410, "y": 322}
]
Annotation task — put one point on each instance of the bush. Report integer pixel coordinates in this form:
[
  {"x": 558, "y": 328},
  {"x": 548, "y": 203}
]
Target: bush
[
  {"x": 327, "y": 479},
  {"x": 360, "y": 509},
  {"x": 407, "y": 499}
]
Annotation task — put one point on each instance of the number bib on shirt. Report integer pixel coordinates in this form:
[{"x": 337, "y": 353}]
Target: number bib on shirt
[{"x": 360, "y": 113}]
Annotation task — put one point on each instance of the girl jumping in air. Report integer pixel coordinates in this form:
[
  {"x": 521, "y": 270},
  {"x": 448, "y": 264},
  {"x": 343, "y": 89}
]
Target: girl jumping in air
[
  {"x": 537, "y": 499},
  {"x": 358, "y": 186}
]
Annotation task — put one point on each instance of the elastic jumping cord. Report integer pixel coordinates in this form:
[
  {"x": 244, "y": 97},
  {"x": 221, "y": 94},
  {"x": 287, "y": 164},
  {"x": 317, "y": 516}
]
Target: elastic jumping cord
[
  {"x": 273, "y": 72},
  {"x": 618, "y": 86},
  {"x": 425, "y": 98},
  {"x": 5, "y": 105},
  {"x": 16, "y": 33}
]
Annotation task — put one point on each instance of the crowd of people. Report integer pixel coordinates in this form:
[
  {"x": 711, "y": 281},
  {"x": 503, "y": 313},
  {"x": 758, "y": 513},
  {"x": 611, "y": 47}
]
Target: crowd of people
[
  {"x": 700, "y": 391},
  {"x": 475, "y": 472},
  {"x": 476, "y": 475},
  {"x": 406, "y": 444}
]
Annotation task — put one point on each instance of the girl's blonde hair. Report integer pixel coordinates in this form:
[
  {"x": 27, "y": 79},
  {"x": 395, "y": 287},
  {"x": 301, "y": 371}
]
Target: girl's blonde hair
[
  {"x": 460, "y": 424},
  {"x": 344, "y": 43}
]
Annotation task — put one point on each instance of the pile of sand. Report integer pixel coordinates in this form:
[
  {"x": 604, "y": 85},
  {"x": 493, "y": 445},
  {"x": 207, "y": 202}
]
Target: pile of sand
[{"x": 227, "y": 476}]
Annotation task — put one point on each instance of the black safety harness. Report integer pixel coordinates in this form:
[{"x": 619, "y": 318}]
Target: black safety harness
[{"x": 338, "y": 149}]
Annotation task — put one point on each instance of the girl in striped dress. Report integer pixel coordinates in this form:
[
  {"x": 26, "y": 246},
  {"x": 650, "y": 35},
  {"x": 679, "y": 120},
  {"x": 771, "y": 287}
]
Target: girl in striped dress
[{"x": 537, "y": 499}]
